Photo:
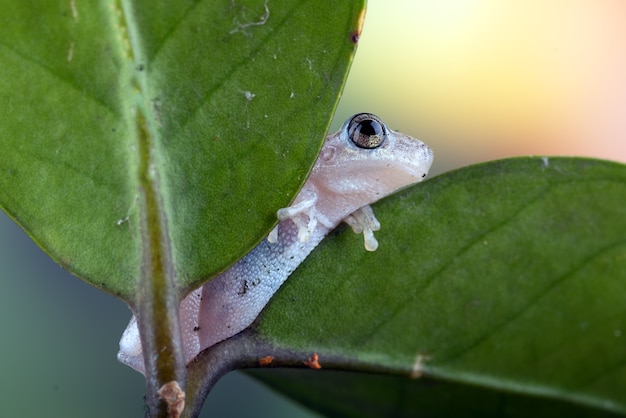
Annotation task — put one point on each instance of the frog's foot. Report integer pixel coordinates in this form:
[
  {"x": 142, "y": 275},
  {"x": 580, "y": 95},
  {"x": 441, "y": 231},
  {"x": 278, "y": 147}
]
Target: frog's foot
[
  {"x": 363, "y": 220},
  {"x": 303, "y": 214}
]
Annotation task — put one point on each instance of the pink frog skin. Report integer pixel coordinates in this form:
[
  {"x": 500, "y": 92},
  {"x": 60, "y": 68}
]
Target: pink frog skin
[{"x": 361, "y": 163}]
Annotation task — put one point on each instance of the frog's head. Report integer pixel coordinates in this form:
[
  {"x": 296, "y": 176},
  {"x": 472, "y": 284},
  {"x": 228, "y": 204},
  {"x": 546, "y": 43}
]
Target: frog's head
[{"x": 365, "y": 161}]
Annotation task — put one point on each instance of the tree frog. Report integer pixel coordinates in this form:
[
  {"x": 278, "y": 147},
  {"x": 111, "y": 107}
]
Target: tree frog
[{"x": 361, "y": 163}]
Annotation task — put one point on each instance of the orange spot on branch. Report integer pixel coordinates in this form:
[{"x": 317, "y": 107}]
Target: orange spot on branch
[
  {"x": 313, "y": 362},
  {"x": 264, "y": 361}
]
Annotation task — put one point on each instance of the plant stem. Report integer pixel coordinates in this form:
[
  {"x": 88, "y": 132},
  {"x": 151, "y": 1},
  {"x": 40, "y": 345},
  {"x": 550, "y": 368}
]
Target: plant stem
[{"x": 158, "y": 298}]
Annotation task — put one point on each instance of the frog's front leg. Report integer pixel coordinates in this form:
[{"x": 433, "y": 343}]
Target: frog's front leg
[
  {"x": 363, "y": 220},
  {"x": 303, "y": 214}
]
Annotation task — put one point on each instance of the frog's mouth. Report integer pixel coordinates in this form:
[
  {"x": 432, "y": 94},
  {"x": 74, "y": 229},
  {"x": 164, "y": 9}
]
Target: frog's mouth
[
  {"x": 425, "y": 158},
  {"x": 418, "y": 174},
  {"x": 420, "y": 170}
]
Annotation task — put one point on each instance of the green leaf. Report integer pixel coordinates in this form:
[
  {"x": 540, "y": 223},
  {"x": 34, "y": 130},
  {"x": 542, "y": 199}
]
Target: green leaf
[
  {"x": 218, "y": 107},
  {"x": 364, "y": 395},
  {"x": 147, "y": 147},
  {"x": 510, "y": 275}
]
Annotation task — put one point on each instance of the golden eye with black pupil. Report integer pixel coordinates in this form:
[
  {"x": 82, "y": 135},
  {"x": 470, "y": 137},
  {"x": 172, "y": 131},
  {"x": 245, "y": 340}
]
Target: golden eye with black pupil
[{"x": 367, "y": 131}]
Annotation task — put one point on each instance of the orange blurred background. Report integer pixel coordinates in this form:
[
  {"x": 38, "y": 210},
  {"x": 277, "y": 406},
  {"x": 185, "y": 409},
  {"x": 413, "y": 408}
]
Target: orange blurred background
[{"x": 486, "y": 79}]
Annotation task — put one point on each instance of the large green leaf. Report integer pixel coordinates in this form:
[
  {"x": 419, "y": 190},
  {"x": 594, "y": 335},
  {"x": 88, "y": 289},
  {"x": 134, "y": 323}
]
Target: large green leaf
[
  {"x": 219, "y": 107},
  {"x": 509, "y": 275},
  {"x": 365, "y": 395},
  {"x": 147, "y": 146}
]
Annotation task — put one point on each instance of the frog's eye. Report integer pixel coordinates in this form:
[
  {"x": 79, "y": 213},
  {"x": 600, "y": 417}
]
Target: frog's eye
[{"x": 366, "y": 131}]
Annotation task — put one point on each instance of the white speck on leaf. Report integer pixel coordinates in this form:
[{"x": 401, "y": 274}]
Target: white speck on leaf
[
  {"x": 241, "y": 27},
  {"x": 127, "y": 217},
  {"x": 546, "y": 161},
  {"x": 249, "y": 95},
  {"x": 292, "y": 95},
  {"x": 418, "y": 367},
  {"x": 70, "y": 52},
  {"x": 73, "y": 9}
]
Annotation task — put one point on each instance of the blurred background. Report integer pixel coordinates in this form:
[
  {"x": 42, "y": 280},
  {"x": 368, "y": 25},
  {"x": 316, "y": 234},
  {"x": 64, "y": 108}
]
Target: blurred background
[
  {"x": 486, "y": 79},
  {"x": 475, "y": 79}
]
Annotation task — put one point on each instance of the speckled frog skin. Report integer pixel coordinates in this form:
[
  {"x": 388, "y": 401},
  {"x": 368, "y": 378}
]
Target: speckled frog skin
[{"x": 361, "y": 163}]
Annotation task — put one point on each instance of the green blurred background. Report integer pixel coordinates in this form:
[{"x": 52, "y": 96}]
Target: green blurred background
[{"x": 475, "y": 79}]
